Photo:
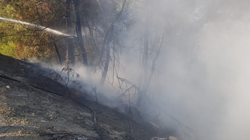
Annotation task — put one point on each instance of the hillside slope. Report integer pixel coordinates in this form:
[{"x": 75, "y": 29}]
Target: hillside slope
[{"x": 34, "y": 107}]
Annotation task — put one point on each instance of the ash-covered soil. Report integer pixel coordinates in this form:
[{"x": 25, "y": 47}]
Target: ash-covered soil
[
  {"x": 28, "y": 113},
  {"x": 34, "y": 107}
]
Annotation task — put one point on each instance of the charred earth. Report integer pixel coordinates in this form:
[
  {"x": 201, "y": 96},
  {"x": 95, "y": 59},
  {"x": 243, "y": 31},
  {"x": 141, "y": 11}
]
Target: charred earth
[{"x": 35, "y": 107}]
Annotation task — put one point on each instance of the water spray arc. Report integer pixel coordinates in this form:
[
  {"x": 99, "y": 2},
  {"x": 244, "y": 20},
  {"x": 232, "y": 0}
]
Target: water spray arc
[{"x": 42, "y": 28}]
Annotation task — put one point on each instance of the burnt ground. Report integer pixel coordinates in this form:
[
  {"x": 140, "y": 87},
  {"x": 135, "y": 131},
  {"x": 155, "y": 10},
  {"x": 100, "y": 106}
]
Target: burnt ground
[{"x": 35, "y": 107}]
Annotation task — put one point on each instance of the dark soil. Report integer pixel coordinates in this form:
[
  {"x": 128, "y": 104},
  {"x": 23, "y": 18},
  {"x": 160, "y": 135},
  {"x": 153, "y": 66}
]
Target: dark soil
[{"x": 35, "y": 107}]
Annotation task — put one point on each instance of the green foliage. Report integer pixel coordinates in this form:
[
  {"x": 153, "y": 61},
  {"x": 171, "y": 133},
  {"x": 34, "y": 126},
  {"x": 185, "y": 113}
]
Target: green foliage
[
  {"x": 8, "y": 49},
  {"x": 26, "y": 41}
]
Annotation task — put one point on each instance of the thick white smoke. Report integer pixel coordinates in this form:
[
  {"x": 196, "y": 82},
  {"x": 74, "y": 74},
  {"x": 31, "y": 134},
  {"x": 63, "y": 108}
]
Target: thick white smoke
[
  {"x": 202, "y": 76},
  {"x": 208, "y": 89}
]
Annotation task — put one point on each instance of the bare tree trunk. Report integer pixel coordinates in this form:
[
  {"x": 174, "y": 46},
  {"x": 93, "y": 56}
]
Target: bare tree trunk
[
  {"x": 58, "y": 54},
  {"x": 79, "y": 32},
  {"x": 71, "y": 48},
  {"x": 106, "y": 66},
  {"x": 144, "y": 74},
  {"x": 155, "y": 59},
  {"x": 145, "y": 54},
  {"x": 106, "y": 42}
]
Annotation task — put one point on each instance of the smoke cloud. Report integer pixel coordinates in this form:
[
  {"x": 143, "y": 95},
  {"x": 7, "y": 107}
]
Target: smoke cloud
[
  {"x": 201, "y": 82},
  {"x": 202, "y": 75},
  {"x": 204, "y": 69}
]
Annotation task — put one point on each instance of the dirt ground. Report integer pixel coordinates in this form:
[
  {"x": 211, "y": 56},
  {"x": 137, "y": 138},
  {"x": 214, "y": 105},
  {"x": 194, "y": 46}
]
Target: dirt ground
[{"x": 34, "y": 107}]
